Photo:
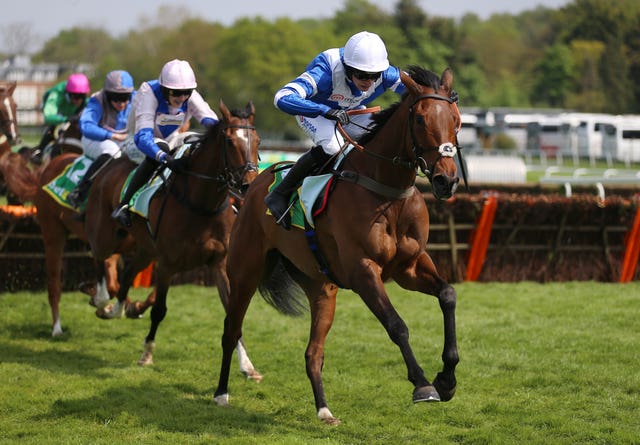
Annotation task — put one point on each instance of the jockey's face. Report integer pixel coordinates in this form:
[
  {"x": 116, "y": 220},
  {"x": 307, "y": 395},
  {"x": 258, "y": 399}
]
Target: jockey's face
[
  {"x": 364, "y": 80},
  {"x": 177, "y": 97}
]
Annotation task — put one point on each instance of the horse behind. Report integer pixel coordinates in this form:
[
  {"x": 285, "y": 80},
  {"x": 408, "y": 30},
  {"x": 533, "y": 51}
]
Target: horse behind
[
  {"x": 9, "y": 134},
  {"x": 375, "y": 228},
  {"x": 189, "y": 218}
]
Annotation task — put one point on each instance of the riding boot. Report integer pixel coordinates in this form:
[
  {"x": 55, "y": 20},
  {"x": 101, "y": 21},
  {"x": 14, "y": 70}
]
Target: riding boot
[
  {"x": 140, "y": 178},
  {"x": 38, "y": 151},
  {"x": 80, "y": 193},
  {"x": 277, "y": 201}
]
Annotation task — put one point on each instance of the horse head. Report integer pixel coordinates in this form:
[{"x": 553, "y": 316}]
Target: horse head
[
  {"x": 241, "y": 143},
  {"x": 434, "y": 121},
  {"x": 8, "y": 114}
]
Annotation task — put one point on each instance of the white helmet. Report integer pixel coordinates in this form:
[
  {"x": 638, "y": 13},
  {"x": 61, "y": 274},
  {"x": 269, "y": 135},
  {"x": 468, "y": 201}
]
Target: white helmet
[
  {"x": 177, "y": 75},
  {"x": 365, "y": 51}
]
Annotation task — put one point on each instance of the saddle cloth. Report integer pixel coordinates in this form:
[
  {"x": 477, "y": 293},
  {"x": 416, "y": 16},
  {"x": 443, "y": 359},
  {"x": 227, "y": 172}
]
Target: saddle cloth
[{"x": 60, "y": 187}]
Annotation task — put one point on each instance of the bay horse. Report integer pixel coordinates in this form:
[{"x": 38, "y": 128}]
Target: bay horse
[
  {"x": 57, "y": 223},
  {"x": 189, "y": 218},
  {"x": 375, "y": 228}
]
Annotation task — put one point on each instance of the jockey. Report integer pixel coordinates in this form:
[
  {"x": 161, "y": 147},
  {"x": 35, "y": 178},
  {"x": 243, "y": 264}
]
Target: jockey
[
  {"x": 336, "y": 80},
  {"x": 159, "y": 109},
  {"x": 61, "y": 103},
  {"x": 103, "y": 124}
]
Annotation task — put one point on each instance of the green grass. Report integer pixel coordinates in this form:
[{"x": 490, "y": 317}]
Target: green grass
[{"x": 540, "y": 364}]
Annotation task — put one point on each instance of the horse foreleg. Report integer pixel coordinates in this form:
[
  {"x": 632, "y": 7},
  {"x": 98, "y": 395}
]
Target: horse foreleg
[
  {"x": 424, "y": 278},
  {"x": 445, "y": 381},
  {"x": 231, "y": 338},
  {"x": 371, "y": 290},
  {"x": 222, "y": 284},
  {"x": 322, "y": 302},
  {"x": 158, "y": 312}
]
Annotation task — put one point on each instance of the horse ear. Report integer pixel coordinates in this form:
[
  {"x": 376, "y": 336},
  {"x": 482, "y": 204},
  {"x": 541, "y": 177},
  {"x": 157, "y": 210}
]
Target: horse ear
[
  {"x": 250, "y": 108},
  {"x": 446, "y": 80},
  {"x": 411, "y": 84},
  {"x": 225, "y": 111}
]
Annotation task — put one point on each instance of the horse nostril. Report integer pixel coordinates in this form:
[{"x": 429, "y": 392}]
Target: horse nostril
[
  {"x": 439, "y": 182},
  {"x": 444, "y": 186}
]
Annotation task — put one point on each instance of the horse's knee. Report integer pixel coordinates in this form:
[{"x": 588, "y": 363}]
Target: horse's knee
[{"x": 447, "y": 298}]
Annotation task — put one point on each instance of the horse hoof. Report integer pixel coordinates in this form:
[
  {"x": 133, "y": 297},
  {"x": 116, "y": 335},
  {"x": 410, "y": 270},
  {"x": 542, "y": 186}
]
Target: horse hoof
[
  {"x": 222, "y": 399},
  {"x": 145, "y": 360},
  {"x": 254, "y": 375},
  {"x": 445, "y": 387},
  {"x": 133, "y": 310},
  {"x": 425, "y": 394},
  {"x": 325, "y": 415},
  {"x": 102, "y": 313}
]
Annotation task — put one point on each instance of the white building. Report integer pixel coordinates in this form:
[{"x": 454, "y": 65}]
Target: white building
[{"x": 32, "y": 81}]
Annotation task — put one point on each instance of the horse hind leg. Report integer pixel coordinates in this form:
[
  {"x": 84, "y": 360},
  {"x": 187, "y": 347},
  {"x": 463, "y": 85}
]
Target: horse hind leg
[{"x": 322, "y": 303}]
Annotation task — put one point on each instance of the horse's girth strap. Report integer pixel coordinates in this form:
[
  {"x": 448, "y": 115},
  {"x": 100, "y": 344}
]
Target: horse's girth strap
[{"x": 374, "y": 186}]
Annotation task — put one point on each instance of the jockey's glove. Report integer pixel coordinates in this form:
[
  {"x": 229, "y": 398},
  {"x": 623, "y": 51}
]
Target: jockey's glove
[
  {"x": 338, "y": 115},
  {"x": 175, "y": 165}
]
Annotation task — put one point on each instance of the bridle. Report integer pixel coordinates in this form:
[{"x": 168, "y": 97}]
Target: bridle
[
  {"x": 229, "y": 177},
  {"x": 445, "y": 150},
  {"x": 234, "y": 177}
]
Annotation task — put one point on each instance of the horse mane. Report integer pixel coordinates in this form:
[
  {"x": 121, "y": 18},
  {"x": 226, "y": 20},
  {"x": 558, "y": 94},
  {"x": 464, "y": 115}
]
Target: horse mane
[
  {"x": 213, "y": 130},
  {"x": 423, "y": 77}
]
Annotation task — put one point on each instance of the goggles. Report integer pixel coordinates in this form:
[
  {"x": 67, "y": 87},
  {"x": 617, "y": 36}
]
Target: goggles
[
  {"x": 363, "y": 75},
  {"x": 119, "y": 97},
  {"x": 179, "y": 93},
  {"x": 77, "y": 96}
]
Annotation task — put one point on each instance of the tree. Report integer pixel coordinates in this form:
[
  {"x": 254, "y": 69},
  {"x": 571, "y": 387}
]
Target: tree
[
  {"x": 77, "y": 45},
  {"x": 554, "y": 77},
  {"x": 19, "y": 38}
]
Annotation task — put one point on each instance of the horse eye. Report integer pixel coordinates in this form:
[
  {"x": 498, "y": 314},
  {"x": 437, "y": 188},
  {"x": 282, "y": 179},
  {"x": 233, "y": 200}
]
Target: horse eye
[{"x": 420, "y": 119}]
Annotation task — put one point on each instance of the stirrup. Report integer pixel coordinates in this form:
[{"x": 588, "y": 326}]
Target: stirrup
[
  {"x": 122, "y": 215},
  {"x": 273, "y": 202},
  {"x": 74, "y": 198},
  {"x": 36, "y": 156}
]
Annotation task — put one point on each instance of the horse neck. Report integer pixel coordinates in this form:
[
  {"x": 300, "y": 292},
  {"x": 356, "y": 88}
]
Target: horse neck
[
  {"x": 204, "y": 189},
  {"x": 392, "y": 141}
]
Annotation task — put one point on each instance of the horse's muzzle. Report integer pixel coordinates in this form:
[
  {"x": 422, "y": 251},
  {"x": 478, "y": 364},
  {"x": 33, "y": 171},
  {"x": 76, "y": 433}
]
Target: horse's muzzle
[{"x": 444, "y": 186}]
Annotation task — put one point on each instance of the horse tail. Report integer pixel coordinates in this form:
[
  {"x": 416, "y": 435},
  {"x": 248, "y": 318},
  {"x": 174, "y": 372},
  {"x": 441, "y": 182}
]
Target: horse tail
[
  {"x": 20, "y": 179},
  {"x": 280, "y": 290}
]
